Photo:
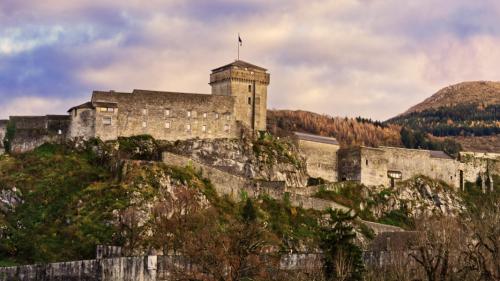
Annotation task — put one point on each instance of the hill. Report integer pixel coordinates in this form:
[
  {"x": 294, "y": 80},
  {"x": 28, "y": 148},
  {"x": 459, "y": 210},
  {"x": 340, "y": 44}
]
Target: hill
[
  {"x": 463, "y": 111},
  {"x": 348, "y": 131},
  {"x": 479, "y": 93}
]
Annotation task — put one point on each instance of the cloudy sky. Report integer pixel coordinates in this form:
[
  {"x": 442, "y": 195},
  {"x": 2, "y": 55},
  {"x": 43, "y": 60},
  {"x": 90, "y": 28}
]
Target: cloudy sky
[{"x": 373, "y": 58}]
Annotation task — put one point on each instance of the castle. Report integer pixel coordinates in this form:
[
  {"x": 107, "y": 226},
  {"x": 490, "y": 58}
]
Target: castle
[{"x": 237, "y": 103}]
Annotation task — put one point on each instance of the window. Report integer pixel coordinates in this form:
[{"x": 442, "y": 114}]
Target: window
[
  {"x": 204, "y": 128},
  {"x": 167, "y": 125},
  {"x": 249, "y": 88},
  {"x": 189, "y": 113},
  {"x": 226, "y": 128},
  {"x": 366, "y": 161},
  {"x": 204, "y": 115},
  {"x": 228, "y": 117},
  {"x": 144, "y": 111},
  {"x": 188, "y": 127},
  {"x": 106, "y": 121},
  {"x": 144, "y": 124},
  {"x": 59, "y": 132},
  {"x": 107, "y": 109},
  {"x": 216, "y": 115},
  {"x": 167, "y": 112},
  {"x": 249, "y": 100}
]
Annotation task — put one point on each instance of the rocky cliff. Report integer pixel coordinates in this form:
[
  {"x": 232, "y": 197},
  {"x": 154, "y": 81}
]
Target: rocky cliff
[{"x": 267, "y": 158}]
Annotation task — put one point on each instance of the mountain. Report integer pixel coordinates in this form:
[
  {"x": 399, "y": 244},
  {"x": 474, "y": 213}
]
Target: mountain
[
  {"x": 479, "y": 93},
  {"x": 465, "y": 111}
]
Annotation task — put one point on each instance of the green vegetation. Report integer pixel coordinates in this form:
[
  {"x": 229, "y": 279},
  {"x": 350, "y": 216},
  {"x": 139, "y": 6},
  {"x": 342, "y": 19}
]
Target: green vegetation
[
  {"x": 272, "y": 150},
  {"x": 460, "y": 120},
  {"x": 67, "y": 201},
  {"x": 420, "y": 140},
  {"x": 9, "y": 136},
  {"x": 342, "y": 258}
]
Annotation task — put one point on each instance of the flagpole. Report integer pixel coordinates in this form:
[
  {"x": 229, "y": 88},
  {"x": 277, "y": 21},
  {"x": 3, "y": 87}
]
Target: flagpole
[{"x": 238, "y": 46}]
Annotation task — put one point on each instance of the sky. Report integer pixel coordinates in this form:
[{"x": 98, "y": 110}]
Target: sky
[{"x": 370, "y": 58}]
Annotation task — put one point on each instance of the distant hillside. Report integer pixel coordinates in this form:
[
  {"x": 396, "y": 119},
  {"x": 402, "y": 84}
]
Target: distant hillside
[
  {"x": 463, "y": 111},
  {"x": 348, "y": 131}
]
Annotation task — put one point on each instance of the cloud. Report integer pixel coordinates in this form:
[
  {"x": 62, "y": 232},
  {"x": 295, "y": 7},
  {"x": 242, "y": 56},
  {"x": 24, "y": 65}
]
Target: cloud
[{"x": 344, "y": 57}]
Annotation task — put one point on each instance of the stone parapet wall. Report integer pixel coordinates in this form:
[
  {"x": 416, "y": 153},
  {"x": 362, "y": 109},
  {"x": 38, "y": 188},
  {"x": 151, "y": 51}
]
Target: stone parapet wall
[{"x": 321, "y": 159}]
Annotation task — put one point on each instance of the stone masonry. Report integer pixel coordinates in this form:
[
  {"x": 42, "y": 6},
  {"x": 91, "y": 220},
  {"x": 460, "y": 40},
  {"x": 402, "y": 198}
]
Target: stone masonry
[{"x": 238, "y": 101}]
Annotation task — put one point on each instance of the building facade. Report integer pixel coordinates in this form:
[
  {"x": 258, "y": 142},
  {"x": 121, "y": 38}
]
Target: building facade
[
  {"x": 387, "y": 166},
  {"x": 238, "y": 100}
]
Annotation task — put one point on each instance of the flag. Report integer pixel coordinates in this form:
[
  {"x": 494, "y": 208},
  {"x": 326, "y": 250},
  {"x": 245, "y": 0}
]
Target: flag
[{"x": 239, "y": 40}]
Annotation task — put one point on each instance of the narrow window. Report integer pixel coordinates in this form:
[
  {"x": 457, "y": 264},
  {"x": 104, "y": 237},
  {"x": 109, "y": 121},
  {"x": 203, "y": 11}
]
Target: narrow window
[
  {"x": 249, "y": 100},
  {"x": 144, "y": 111},
  {"x": 204, "y": 115},
  {"x": 366, "y": 161},
  {"x": 106, "y": 121},
  {"x": 188, "y": 127},
  {"x": 144, "y": 124},
  {"x": 249, "y": 88},
  {"x": 216, "y": 115},
  {"x": 204, "y": 128},
  {"x": 189, "y": 113},
  {"x": 226, "y": 128},
  {"x": 59, "y": 132},
  {"x": 167, "y": 112},
  {"x": 167, "y": 125}
]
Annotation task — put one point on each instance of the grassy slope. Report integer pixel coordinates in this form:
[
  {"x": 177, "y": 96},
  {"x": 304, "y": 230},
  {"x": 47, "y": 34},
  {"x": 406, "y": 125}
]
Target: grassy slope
[{"x": 70, "y": 201}]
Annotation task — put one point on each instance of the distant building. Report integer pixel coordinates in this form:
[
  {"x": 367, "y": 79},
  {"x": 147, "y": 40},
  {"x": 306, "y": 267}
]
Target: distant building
[
  {"x": 238, "y": 102},
  {"x": 238, "y": 99},
  {"x": 388, "y": 165}
]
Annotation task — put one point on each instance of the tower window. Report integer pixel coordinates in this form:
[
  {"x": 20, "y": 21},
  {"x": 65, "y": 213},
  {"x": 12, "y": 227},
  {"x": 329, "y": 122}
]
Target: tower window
[
  {"x": 167, "y": 112},
  {"x": 188, "y": 127},
  {"x": 167, "y": 125},
  {"x": 216, "y": 115},
  {"x": 189, "y": 113},
  {"x": 106, "y": 121},
  {"x": 226, "y": 128},
  {"x": 204, "y": 115},
  {"x": 249, "y": 100},
  {"x": 144, "y": 111},
  {"x": 249, "y": 88},
  {"x": 144, "y": 124},
  {"x": 204, "y": 128}
]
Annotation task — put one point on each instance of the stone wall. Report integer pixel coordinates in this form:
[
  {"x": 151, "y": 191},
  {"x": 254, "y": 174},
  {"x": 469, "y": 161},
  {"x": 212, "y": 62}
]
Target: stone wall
[
  {"x": 164, "y": 115},
  {"x": 33, "y": 131},
  {"x": 82, "y": 123},
  {"x": 349, "y": 164},
  {"x": 321, "y": 159},
  {"x": 371, "y": 166}
]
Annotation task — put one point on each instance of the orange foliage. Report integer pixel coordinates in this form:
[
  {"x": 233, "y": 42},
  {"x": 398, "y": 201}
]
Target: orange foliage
[{"x": 348, "y": 131}]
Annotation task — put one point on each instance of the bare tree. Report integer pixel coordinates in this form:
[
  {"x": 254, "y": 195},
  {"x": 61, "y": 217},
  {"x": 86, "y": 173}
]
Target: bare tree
[{"x": 437, "y": 249}]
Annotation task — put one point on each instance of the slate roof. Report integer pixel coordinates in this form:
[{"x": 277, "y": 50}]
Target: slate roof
[
  {"x": 242, "y": 64},
  {"x": 316, "y": 138},
  {"x": 439, "y": 154},
  {"x": 83, "y": 105}
]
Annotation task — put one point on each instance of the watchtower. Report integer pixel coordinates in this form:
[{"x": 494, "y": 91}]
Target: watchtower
[{"x": 248, "y": 84}]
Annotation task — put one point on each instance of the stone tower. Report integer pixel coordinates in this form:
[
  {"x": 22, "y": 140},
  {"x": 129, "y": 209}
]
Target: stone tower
[{"x": 248, "y": 84}]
